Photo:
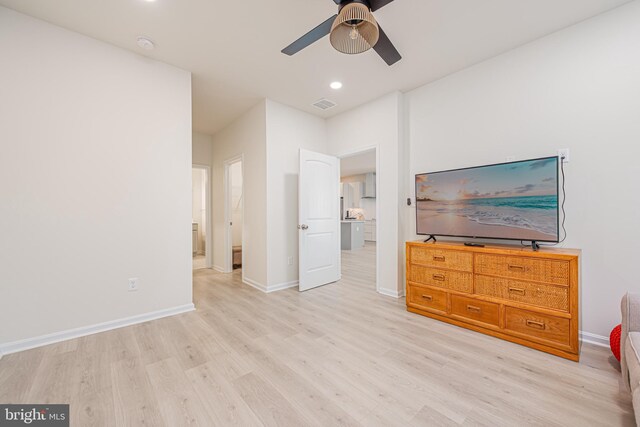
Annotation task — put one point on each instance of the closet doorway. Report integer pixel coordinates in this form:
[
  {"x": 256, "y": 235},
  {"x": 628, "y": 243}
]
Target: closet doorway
[
  {"x": 234, "y": 214},
  {"x": 200, "y": 217}
]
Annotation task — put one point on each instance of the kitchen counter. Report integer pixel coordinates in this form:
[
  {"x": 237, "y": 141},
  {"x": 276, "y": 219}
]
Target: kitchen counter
[{"x": 351, "y": 235}]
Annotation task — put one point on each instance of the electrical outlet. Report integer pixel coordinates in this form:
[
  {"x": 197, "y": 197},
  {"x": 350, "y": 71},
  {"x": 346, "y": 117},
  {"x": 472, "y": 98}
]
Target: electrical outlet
[
  {"x": 290, "y": 260},
  {"x": 133, "y": 284},
  {"x": 564, "y": 152}
]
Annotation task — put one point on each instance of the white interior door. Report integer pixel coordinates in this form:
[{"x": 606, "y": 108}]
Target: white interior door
[{"x": 319, "y": 219}]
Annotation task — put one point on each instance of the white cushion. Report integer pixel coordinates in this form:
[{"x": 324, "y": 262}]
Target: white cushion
[
  {"x": 633, "y": 359},
  {"x": 636, "y": 404}
]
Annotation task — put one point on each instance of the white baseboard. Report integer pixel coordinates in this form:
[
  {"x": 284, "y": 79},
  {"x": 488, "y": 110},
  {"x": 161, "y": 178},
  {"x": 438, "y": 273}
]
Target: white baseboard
[
  {"x": 390, "y": 293},
  {"x": 269, "y": 289},
  {"x": 282, "y": 286},
  {"x": 29, "y": 343},
  {"x": 594, "y": 339},
  {"x": 254, "y": 284},
  {"x": 218, "y": 269}
]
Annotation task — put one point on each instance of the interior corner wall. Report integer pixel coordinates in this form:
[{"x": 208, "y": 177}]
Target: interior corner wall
[
  {"x": 288, "y": 131},
  {"x": 576, "y": 89},
  {"x": 246, "y": 137},
  {"x": 378, "y": 124},
  {"x": 202, "y": 151},
  {"x": 93, "y": 191}
]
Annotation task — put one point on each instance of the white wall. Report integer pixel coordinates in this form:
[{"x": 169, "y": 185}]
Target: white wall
[
  {"x": 578, "y": 88},
  {"x": 378, "y": 124},
  {"x": 95, "y": 178},
  {"x": 246, "y": 137},
  {"x": 202, "y": 149},
  {"x": 288, "y": 130}
]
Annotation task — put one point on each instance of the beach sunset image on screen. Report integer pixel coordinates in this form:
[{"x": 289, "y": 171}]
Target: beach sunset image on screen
[{"x": 516, "y": 200}]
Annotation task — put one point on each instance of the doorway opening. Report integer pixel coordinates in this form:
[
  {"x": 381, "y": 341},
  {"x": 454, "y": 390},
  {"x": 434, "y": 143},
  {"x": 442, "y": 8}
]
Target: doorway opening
[
  {"x": 359, "y": 217},
  {"x": 200, "y": 217},
  {"x": 234, "y": 213}
]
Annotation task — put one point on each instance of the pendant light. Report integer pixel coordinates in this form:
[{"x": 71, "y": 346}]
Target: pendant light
[{"x": 355, "y": 30}]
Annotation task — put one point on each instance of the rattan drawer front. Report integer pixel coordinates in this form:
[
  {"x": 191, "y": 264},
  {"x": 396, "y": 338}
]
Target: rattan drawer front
[
  {"x": 534, "y": 269},
  {"x": 538, "y": 326},
  {"x": 480, "y": 311},
  {"x": 454, "y": 280},
  {"x": 427, "y": 298},
  {"x": 440, "y": 258},
  {"x": 539, "y": 294}
]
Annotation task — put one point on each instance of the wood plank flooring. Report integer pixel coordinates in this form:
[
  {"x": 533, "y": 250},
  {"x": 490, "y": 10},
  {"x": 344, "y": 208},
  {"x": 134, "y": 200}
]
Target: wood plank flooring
[{"x": 337, "y": 355}]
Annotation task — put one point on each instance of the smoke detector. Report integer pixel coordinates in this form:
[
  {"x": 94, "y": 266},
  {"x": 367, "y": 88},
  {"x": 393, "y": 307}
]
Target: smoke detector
[{"x": 145, "y": 43}]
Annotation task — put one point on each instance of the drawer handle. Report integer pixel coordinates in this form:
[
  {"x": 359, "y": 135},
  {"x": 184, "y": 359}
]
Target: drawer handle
[
  {"x": 427, "y": 297},
  {"x": 517, "y": 291},
  {"x": 516, "y": 267},
  {"x": 439, "y": 258},
  {"x": 438, "y": 277},
  {"x": 473, "y": 308},
  {"x": 534, "y": 324}
]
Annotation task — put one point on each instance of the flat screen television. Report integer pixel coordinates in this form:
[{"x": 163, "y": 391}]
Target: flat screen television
[{"x": 511, "y": 201}]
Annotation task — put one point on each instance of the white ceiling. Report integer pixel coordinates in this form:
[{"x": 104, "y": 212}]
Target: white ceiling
[
  {"x": 359, "y": 164},
  {"x": 233, "y": 47}
]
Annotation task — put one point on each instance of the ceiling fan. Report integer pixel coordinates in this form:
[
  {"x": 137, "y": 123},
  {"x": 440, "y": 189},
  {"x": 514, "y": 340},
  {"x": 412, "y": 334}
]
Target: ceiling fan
[{"x": 353, "y": 30}]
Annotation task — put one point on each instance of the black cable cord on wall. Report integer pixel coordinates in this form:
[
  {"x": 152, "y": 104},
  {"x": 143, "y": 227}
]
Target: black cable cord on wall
[{"x": 564, "y": 213}]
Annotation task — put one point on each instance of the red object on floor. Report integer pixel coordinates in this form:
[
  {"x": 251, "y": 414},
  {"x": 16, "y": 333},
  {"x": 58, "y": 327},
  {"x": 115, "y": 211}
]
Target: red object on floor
[{"x": 614, "y": 341}]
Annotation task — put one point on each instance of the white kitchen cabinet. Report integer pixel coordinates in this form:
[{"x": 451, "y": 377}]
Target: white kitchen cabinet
[
  {"x": 352, "y": 193},
  {"x": 347, "y": 196},
  {"x": 370, "y": 234},
  {"x": 358, "y": 190}
]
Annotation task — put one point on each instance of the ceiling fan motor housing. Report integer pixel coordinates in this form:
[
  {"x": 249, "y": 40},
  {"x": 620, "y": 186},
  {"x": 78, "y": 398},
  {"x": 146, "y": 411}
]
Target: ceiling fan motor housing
[{"x": 346, "y": 2}]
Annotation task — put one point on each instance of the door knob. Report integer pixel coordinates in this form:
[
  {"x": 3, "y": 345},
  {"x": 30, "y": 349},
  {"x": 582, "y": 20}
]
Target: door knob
[{"x": 303, "y": 227}]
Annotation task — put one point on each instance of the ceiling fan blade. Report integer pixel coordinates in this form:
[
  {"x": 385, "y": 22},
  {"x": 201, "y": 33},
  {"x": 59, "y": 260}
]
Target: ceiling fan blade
[
  {"x": 386, "y": 49},
  {"x": 311, "y": 37},
  {"x": 378, "y": 4}
]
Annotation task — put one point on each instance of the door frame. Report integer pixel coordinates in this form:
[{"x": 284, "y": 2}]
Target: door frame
[
  {"x": 208, "y": 238},
  {"x": 356, "y": 152},
  {"x": 228, "y": 215}
]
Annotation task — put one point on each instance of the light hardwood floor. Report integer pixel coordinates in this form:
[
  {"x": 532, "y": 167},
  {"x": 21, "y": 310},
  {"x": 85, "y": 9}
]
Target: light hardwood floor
[
  {"x": 338, "y": 355},
  {"x": 199, "y": 261}
]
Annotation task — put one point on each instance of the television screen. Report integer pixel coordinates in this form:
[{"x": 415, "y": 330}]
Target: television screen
[{"x": 516, "y": 201}]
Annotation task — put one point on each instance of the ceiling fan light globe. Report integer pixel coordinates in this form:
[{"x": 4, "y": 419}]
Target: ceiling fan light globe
[
  {"x": 353, "y": 34},
  {"x": 355, "y": 30}
]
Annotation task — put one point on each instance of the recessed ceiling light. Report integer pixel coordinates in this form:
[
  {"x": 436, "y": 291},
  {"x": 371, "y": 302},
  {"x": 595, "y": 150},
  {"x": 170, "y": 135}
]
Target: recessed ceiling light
[
  {"x": 145, "y": 43},
  {"x": 336, "y": 85}
]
